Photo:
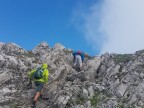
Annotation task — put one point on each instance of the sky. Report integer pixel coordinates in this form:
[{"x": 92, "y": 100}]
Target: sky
[{"x": 93, "y": 26}]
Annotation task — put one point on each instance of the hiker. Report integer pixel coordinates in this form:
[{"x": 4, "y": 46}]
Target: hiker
[
  {"x": 40, "y": 77},
  {"x": 78, "y": 59}
]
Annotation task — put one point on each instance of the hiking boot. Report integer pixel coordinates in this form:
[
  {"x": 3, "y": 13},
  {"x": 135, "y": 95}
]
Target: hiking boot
[{"x": 33, "y": 104}]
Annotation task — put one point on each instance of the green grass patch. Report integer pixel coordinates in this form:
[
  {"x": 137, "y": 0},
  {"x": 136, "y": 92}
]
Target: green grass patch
[
  {"x": 122, "y": 58},
  {"x": 95, "y": 100},
  {"x": 80, "y": 99}
]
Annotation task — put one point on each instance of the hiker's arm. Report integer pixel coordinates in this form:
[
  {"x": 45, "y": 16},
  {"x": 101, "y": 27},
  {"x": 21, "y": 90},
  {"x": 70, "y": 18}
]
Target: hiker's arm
[
  {"x": 30, "y": 74},
  {"x": 82, "y": 56},
  {"x": 46, "y": 75},
  {"x": 73, "y": 56}
]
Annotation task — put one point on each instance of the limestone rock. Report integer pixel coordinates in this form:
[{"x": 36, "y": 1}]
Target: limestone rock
[{"x": 106, "y": 81}]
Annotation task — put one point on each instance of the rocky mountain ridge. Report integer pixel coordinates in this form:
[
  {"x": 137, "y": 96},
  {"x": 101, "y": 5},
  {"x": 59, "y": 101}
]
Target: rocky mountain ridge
[{"x": 107, "y": 81}]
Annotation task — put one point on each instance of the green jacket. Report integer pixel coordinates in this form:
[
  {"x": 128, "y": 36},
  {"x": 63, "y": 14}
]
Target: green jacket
[{"x": 45, "y": 74}]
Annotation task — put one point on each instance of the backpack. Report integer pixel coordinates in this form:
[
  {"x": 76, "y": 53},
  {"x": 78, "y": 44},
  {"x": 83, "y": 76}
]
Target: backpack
[{"x": 39, "y": 73}]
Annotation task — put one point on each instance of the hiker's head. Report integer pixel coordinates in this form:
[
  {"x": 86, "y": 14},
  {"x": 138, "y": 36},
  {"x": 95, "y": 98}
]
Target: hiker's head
[
  {"x": 79, "y": 52},
  {"x": 44, "y": 65}
]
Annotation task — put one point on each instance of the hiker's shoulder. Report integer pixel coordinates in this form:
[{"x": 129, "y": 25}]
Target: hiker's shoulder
[
  {"x": 45, "y": 70},
  {"x": 33, "y": 70}
]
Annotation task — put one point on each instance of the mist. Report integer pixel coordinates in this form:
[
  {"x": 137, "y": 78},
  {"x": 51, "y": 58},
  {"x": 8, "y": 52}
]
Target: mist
[
  {"x": 114, "y": 26},
  {"x": 123, "y": 25}
]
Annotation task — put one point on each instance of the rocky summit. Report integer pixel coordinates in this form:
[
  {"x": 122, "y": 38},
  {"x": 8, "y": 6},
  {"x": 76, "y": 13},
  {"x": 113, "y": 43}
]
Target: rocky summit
[{"x": 106, "y": 81}]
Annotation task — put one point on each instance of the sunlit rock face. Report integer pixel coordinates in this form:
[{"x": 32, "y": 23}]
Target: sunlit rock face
[{"x": 106, "y": 81}]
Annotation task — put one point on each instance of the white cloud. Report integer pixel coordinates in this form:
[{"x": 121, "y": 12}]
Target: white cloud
[
  {"x": 115, "y": 26},
  {"x": 123, "y": 24}
]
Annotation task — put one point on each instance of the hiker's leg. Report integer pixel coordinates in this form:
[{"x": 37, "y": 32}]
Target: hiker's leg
[
  {"x": 35, "y": 99},
  {"x": 37, "y": 96},
  {"x": 77, "y": 60},
  {"x": 42, "y": 96},
  {"x": 39, "y": 88},
  {"x": 80, "y": 63},
  {"x": 41, "y": 92}
]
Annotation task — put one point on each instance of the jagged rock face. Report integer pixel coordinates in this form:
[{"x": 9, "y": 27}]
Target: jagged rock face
[
  {"x": 58, "y": 46},
  {"x": 41, "y": 49},
  {"x": 107, "y": 81},
  {"x": 12, "y": 49},
  {"x": 1, "y": 44}
]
